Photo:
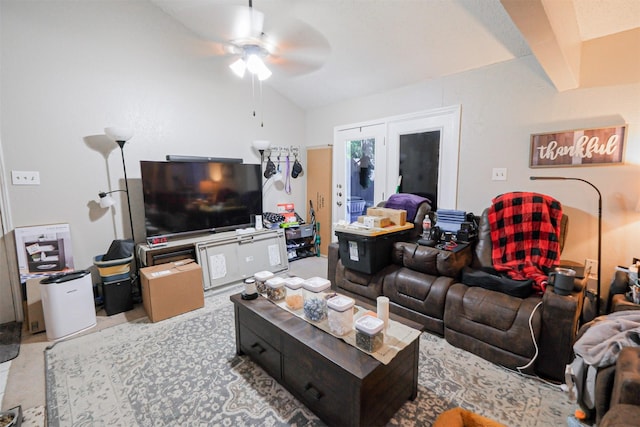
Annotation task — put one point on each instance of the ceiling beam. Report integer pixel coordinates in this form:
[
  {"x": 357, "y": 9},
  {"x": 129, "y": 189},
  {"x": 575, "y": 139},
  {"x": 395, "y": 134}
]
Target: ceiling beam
[{"x": 551, "y": 30}]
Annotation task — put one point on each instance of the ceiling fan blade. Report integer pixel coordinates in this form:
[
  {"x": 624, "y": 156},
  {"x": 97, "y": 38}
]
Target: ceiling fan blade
[
  {"x": 298, "y": 61},
  {"x": 298, "y": 47}
]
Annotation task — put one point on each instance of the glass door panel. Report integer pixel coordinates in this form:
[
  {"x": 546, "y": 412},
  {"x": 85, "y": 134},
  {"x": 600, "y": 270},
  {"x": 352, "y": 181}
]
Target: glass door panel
[
  {"x": 419, "y": 160},
  {"x": 359, "y": 171},
  {"x": 360, "y": 164}
]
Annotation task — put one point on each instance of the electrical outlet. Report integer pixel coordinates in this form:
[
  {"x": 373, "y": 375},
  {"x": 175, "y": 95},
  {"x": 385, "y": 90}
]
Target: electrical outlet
[
  {"x": 591, "y": 265},
  {"x": 499, "y": 174},
  {"x": 25, "y": 177}
]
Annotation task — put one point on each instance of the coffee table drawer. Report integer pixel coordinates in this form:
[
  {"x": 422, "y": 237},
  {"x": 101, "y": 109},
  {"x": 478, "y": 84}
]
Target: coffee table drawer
[
  {"x": 261, "y": 352},
  {"x": 260, "y": 327},
  {"x": 325, "y": 390}
]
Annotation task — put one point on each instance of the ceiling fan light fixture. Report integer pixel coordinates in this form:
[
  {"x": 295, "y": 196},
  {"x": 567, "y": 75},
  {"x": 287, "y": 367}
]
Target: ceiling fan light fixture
[
  {"x": 253, "y": 63},
  {"x": 264, "y": 73},
  {"x": 239, "y": 67},
  {"x": 256, "y": 66}
]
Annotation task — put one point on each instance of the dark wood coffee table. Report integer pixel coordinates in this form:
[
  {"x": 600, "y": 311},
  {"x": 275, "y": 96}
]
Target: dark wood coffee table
[{"x": 342, "y": 385}]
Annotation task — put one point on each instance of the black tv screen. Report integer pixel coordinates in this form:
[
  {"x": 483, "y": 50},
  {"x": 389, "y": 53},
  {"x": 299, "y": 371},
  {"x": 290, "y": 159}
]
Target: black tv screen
[{"x": 182, "y": 197}]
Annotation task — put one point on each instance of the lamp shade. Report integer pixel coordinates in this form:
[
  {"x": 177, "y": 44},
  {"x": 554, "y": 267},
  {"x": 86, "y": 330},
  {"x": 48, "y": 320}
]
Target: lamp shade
[
  {"x": 261, "y": 144},
  {"x": 106, "y": 201},
  {"x": 239, "y": 67},
  {"x": 119, "y": 133}
]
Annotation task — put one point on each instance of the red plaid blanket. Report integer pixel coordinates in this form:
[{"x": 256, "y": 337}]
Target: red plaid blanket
[{"x": 525, "y": 231}]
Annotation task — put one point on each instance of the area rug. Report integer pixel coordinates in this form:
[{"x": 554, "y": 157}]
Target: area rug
[
  {"x": 184, "y": 371},
  {"x": 10, "y": 335}
]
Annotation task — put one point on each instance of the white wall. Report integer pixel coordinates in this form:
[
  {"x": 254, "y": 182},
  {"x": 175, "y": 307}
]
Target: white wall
[
  {"x": 502, "y": 105},
  {"x": 71, "y": 68}
]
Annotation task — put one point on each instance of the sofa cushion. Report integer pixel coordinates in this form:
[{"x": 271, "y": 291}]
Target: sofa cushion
[
  {"x": 430, "y": 260},
  {"x": 489, "y": 308},
  {"x": 495, "y": 318},
  {"x": 490, "y": 279},
  {"x": 361, "y": 284},
  {"x": 420, "y": 293}
]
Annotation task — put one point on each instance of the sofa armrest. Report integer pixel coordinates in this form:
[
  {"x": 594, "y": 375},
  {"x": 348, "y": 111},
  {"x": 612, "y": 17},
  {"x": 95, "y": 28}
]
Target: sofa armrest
[
  {"x": 560, "y": 323},
  {"x": 430, "y": 260},
  {"x": 626, "y": 384},
  {"x": 333, "y": 256}
]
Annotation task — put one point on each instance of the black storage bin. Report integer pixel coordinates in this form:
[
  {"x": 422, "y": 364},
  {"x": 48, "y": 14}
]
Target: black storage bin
[
  {"x": 367, "y": 254},
  {"x": 117, "y": 296}
]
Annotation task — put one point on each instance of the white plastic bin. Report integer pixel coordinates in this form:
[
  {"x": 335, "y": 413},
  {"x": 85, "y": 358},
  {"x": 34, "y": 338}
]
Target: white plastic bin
[{"x": 68, "y": 304}]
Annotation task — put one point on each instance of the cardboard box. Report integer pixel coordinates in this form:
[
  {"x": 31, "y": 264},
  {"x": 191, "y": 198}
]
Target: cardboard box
[
  {"x": 288, "y": 211},
  {"x": 34, "y": 312},
  {"x": 374, "y": 221},
  {"x": 171, "y": 289},
  {"x": 397, "y": 216}
]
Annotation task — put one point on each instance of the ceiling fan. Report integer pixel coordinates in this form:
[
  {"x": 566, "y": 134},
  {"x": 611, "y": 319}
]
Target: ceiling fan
[{"x": 241, "y": 34}]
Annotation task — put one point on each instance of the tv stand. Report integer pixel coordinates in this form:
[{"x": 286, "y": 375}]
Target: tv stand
[{"x": 225, "y": 257}]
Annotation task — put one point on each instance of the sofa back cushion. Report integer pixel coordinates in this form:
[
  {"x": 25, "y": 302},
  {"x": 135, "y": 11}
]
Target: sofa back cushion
[{"x": 430, "y": 260}]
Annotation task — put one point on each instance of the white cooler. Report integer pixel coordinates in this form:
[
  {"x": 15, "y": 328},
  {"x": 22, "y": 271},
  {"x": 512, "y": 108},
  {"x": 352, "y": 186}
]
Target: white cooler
[{"x": 68, "y": 304}]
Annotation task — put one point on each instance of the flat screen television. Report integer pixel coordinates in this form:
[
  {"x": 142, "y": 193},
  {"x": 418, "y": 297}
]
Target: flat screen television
[{"x": 200, "y": 196}]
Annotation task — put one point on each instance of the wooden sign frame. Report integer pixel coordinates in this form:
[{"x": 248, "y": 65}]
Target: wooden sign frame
[{"x": 580, "y": 147}]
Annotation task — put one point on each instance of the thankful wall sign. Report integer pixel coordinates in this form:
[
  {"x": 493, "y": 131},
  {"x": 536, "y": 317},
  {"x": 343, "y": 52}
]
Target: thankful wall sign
[{"x": 584, "y": 147}]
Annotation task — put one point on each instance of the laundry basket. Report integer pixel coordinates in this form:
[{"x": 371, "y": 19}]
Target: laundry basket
[{"x": 116, "y": 284}]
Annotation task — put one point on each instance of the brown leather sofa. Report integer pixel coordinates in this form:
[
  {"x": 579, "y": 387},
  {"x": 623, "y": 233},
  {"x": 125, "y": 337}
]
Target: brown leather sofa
[
  {"x": 617, "y": 385},
  {"x": 423, "y": 284},
  {"x": 624, "y": 401}
]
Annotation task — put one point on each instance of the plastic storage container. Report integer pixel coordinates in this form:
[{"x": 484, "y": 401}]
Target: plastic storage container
[
  {"x": 275, "y": 289},
  {"x": 367, "y": 254},
  {"x": 315, "y": 298},
  {"x": 340, "y": 314},
  {"x": 261, "y": 280},
  {"x": 294, "y": 296},
  {"x": 369, "y": 335}
]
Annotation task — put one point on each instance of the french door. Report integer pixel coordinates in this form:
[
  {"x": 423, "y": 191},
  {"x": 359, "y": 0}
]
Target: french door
[
  {"x": 424, "y": 149},
  {"x": 415, "y": 153}
]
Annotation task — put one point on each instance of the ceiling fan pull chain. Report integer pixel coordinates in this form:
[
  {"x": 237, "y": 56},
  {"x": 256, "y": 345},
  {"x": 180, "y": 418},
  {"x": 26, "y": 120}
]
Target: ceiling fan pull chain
[
  {"x": 253, "y": 94},
  {"x": 261, "y": 106}
]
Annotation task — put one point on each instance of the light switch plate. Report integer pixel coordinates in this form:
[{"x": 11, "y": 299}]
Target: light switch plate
[
  {"x": 499, "y": 174},
  {"x": 591, "y": 265},
  {"x": 25, "y": 177}
]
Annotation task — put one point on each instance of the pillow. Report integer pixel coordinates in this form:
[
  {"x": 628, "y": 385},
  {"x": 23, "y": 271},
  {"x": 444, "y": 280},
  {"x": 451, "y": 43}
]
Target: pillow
[{"x": 489, "y": 279}]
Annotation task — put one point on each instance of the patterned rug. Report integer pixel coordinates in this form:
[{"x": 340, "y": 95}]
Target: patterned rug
[{"x": 184, "y": 371}]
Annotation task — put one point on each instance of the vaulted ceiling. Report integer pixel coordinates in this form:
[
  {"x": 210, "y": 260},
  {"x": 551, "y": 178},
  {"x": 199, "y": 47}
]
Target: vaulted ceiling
[{"x": 340, "y": 49}]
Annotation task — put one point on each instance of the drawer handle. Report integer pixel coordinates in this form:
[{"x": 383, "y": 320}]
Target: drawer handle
[
  {"x": 259, "y": 347},
  {"x": 314, "y": 392}
]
